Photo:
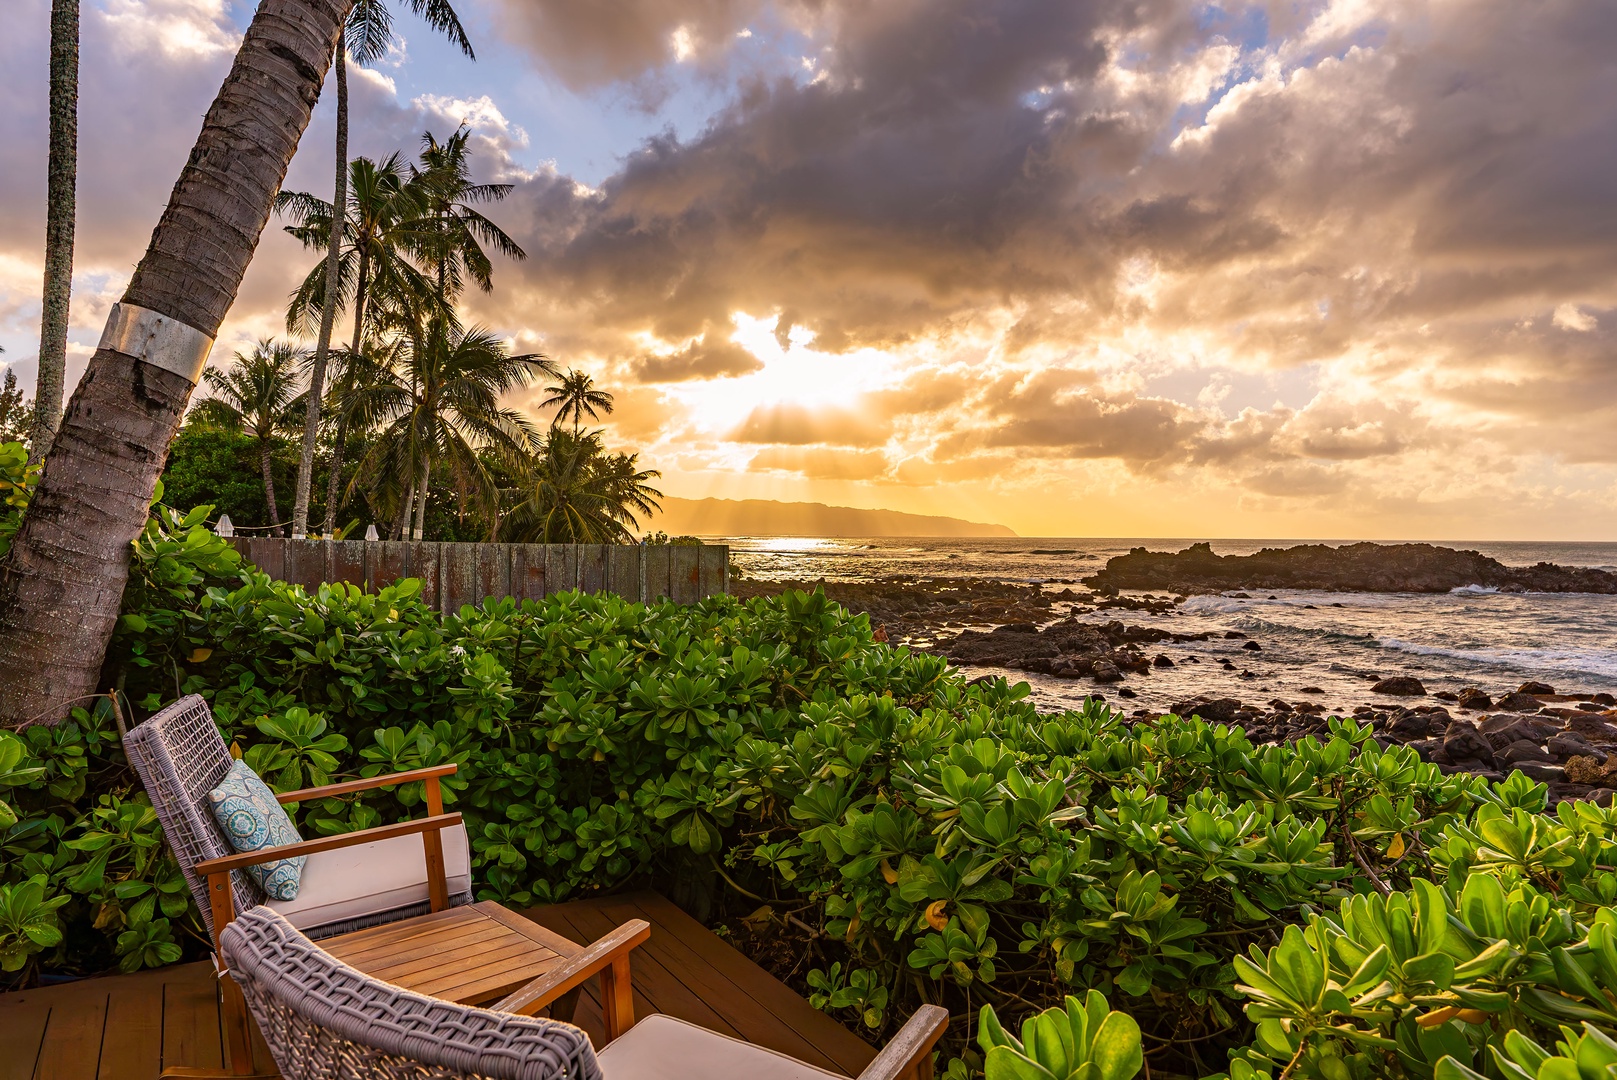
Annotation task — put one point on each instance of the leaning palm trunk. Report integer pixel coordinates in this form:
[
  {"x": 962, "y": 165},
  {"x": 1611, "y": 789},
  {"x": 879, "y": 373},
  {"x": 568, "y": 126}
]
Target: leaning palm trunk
[
  {"x": 61, "y": 183},
  {"x": 328, "y": 313},
  {"x": 61, "y": 584}
]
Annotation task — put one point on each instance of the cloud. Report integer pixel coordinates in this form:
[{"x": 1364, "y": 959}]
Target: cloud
[
  {"x": 590, "y": 44},
  {"x": 798, "y": 425},
  {"x": 1283, "y": 259},
  {"x": 701, "y": 359},
  {"x": 822, "y": 464}
]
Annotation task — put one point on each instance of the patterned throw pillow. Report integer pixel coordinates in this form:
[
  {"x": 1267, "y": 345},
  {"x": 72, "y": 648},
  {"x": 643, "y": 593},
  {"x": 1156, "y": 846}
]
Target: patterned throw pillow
[{"x": 246, "y": 810}]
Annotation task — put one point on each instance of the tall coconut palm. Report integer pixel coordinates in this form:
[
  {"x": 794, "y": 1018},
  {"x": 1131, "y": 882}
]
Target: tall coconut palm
[
  {"x": 257, "y": 396},
  {"x": 383, "y": 245},
  {"x": 459, "y": 230},
  {"x": 370, "y": 27},
  {"x": 577, "y": 493},
  {"x": 61, "y": 185},
  {"x": 63, "y": 579},
  {"x": 441, "y": 404},
  {"x": 575, "y": 393}
]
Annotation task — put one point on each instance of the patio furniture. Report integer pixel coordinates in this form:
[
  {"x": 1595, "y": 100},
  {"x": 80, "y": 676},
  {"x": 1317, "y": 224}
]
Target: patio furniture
[
  {"x": 324, "y": 1019},
  {"x": 411, "y": 879}
]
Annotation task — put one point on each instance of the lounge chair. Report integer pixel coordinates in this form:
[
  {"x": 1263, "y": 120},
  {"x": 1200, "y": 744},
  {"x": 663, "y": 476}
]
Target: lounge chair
[
  {"x": 352, "y": 881},
  {"x": 324, "y": 1020}
]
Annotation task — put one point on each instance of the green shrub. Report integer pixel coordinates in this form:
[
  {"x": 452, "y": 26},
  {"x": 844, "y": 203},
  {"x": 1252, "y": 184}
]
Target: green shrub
[{"x": 918, "y": 837}]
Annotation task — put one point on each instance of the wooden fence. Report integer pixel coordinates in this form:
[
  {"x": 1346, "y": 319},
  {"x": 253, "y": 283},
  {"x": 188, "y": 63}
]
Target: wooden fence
[{"x": 456, "y": 574}]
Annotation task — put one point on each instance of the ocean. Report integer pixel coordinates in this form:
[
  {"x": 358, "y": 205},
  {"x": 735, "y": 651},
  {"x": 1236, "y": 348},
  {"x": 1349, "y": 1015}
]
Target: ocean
[{"x": 1338, "y": 643}]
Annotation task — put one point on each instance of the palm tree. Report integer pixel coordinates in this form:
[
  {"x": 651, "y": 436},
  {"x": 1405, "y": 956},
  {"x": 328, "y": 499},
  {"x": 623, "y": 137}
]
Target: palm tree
[
  {"x": 61, "y": 183},
  {"x": 370, "y": 25},
  {"x": 377, "y": 267},
  {"x": 576, "y": 394},
  {"x": 257, "y": 396},
  {"x": 63, "y": 579},
  {"x": 441, "y": 404},
  {"x": 577, "y": 493},
  {"x": 460, "y": 230}
]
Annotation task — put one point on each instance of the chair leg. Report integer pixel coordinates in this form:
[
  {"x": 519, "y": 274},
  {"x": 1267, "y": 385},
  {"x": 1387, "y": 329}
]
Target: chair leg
[
  {"x": 566, "y": 1006},
  {"x": 238, "y": 1035},
  {"x": 617, "y": 998}
]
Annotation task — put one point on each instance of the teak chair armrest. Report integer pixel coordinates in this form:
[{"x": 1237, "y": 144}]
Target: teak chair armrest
[
  {"x": 607, "y": 956},
  {"x": 224, "y": 864},
  {"x": 908, "y": 1056},
  {"x": 348, "y": 787}
]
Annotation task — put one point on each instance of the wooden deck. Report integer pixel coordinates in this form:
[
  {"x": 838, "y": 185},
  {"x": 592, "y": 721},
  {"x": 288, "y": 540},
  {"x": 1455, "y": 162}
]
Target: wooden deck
[{"x": 130, "y": 1027}]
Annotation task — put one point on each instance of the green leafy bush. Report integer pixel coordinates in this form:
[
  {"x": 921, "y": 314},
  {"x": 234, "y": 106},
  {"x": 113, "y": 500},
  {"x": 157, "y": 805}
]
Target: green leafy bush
[{"x": 917, "y": 837}]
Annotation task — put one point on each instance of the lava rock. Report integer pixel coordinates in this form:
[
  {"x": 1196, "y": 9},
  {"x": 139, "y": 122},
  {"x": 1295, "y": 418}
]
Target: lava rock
[
  {"x": 1252, "y": 646},
  {"x": 1400, "y": 686},
  {"x": 1407, "y": 724},
  {"x": 1535, "y": 688},
  {"x": 1106, "y": 672},
  {"x": 1462, "y": 741},
  {"x": 1310, "y": 690},
  {"x": 1565, "y": 744},
  {"x": 1519, "y": 702},
  {"x": 1472, "y": 698},
  {"x": 1162, "y": 660},
  {"x": 1521, "y": 751},
  {"x": 1538, "y": 770}
]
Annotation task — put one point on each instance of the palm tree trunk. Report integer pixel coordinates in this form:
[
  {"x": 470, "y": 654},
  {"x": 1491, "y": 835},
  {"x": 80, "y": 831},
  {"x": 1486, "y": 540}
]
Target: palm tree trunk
[
  {"x": 328, "y": 308},
  {"x": 421, "y": 500},
  {"x": 334, "y": 482},
  {"x": 269, "y": 486},
  {"x": 62, "y": 582},
  {"x": 60, "y": 194}
]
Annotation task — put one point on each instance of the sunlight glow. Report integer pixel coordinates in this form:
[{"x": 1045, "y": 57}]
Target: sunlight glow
[{"x": 795, "y": 375}]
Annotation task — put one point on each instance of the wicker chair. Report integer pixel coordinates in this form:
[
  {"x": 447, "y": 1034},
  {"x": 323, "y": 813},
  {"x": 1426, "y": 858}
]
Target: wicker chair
[
  {"x": 180, "y": 757},
  {"x": 323, "y": 1020},
  {"x": 351, "y": 881}
]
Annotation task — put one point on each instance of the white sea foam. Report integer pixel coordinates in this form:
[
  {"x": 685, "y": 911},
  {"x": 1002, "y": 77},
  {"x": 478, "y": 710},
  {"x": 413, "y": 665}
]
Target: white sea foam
[
  {"x": 1474, "y": 590},
  {"x": 1581, "y": 661}
]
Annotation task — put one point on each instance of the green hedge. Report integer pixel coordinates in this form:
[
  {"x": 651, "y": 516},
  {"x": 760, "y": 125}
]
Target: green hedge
[{"x": 923, "y": 838}]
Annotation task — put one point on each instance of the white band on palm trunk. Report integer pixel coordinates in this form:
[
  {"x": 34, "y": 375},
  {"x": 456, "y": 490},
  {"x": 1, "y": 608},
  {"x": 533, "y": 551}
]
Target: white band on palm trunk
[{"x": 158, "y": 340}]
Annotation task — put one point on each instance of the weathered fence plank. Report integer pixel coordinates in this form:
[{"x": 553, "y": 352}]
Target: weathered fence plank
[
  {"x": 684, "y": 575},
  {"x": 528, "y": 571},
  {"x": 456, "y": 574},
  {"x": 656, "y": 572}
]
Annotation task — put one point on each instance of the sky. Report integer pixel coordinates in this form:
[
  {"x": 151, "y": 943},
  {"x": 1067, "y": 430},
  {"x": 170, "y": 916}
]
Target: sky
[{"x": 1286, "y": 268}]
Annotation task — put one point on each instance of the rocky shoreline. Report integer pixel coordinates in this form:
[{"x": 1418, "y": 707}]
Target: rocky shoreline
[
  {"x": 1420, "y": 568},
  {"x": 1567, "y": 740}
]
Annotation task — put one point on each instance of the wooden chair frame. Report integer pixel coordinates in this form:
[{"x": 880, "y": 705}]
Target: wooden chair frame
[{"x": 608, "y": 957}]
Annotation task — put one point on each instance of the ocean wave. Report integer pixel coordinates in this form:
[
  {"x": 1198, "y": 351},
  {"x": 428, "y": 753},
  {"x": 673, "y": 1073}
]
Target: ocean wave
[
  {"x": 1581, "y": 661},
  {"x": 1474, "y": 590}
]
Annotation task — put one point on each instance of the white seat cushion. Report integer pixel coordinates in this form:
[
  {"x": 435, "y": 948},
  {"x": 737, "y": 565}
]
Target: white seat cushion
[
  {"x": 367, "y": 879},
  {"x": 663, "y": 1048}
]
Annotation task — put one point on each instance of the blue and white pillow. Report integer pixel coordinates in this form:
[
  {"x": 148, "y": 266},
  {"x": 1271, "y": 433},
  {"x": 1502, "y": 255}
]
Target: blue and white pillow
[{"x": 246, "y": 810}]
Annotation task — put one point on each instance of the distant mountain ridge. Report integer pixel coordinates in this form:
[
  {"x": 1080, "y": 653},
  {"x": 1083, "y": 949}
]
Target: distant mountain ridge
[{"x": 765, "y": 517}]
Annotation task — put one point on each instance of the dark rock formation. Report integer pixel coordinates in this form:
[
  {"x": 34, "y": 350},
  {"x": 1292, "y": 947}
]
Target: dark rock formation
[
  {"x": 1354, "y": 568},
  {"x": 1400, "y": 686}
]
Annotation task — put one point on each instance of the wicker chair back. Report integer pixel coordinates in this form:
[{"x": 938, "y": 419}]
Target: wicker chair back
[
  {"x": 323, "y": 1019},
  {"x": 180, "y": 757}
]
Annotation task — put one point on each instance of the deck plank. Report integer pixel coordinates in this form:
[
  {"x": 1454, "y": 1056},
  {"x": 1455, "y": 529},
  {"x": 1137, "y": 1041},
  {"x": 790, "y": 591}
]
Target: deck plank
[
  {"x": 129, "y": 1027},
  {"x": 134, "y": 1031},
  {"x": 191, "y": 1033},
  {"x": 72, "y": 1046},
  {"x": 24, "y": 1017}
]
